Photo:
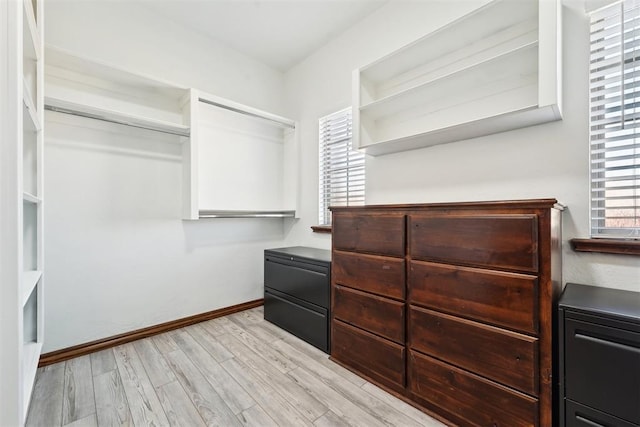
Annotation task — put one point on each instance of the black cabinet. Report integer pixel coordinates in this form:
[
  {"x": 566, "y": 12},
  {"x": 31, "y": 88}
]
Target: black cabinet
[
  {"x": 296, "y": 292},
  {"x": 599, "y": 357}
]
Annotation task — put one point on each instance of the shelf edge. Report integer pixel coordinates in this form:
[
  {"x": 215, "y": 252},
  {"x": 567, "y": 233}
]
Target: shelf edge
[
  {"x": 29, "y": 281},
  {"x": 28, "y": 197},
  {"x": 111, "y": 116}
]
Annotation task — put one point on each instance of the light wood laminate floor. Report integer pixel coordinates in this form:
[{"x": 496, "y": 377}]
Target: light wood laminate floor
[{"x": 231, "y": 371}]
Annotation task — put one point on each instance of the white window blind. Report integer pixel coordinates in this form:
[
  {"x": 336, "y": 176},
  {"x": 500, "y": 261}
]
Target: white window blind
[
  {"x": 615, "y": 120},
  {"x": 341, "y": 167}
]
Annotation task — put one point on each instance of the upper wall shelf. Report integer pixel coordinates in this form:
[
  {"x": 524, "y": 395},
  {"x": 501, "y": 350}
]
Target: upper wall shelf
[
  {"x": 97, "y": 90},
  {"x": 495, "y": 69}
]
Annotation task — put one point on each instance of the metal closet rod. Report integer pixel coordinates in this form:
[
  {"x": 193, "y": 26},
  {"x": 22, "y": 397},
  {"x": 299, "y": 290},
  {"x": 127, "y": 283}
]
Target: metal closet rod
[
  {"x": 111, "y": 120},
  {"x": 246, "y": 113},
  {"x": 245, "y": 214}
]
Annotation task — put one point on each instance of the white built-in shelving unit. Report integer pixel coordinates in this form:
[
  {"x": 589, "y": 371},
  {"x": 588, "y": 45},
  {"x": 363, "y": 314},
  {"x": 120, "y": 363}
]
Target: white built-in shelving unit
[
  {"x": 496, "y": 69},
  {"x": 238, "y": 161},
  {"x": 21, "y": 245},
  {"x": 244, "y": 161}
]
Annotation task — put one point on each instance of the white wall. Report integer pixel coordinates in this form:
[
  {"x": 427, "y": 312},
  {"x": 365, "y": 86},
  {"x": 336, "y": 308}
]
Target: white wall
[
  {"x": 118, "y": 256},
  {"x": 548, "y": 160}
]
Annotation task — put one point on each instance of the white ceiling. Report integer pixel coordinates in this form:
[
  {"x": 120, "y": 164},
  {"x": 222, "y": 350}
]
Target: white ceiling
[{"x": 279, "y": 33}]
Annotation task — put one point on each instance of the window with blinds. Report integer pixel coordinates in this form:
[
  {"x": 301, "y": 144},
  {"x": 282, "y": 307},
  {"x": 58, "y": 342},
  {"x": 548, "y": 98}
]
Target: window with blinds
[
  {"x": 341, "y": 167},
  {"x": 615, "y": 120}
]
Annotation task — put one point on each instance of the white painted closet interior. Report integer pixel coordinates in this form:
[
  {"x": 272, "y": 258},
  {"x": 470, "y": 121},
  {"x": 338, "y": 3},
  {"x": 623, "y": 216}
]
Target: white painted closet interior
[{"x": 237, "y": 161}]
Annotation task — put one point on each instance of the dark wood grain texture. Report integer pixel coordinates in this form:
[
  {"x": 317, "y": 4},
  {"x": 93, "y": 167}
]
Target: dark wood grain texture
[
  {"x": 496, "y": 297},
  {"x": 102, "y": 344},
  {"x": 500, "y": 241},
  {"x": 491, "y": 267},
  {"x": 503, "y": 356},
  {"x": 468, "y": 399},
  {"x": 608, "y": 246},
  {"x": 371, "y": 273},
  {"x": 377, "y": 234},
  {"x": 379, "y": 315},
  {"x": 321, "y": 229},
  {"x": 364, "y": 352}
]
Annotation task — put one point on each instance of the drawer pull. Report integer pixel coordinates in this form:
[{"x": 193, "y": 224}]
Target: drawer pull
[
  {"x": 620, "y": 346},
  {"x": 588, "y": 422}
]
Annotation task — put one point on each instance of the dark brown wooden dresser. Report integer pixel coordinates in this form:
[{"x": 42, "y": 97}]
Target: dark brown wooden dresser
[{"x": 450, "y": 305}]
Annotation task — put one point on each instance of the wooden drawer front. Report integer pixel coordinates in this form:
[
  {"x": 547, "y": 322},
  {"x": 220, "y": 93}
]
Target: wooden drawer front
[
  {"x": 500, "y": 298},
  {"x": 506, "y": 357},
  {"x": 378, "y": 234},
  {"x": 467, "y": 399},
  {"x": 380, "y": 275},
  {"x": 375, "y": 314},
  {"x": 500, "y": 241},
  {"x": 369, "y": 354}
]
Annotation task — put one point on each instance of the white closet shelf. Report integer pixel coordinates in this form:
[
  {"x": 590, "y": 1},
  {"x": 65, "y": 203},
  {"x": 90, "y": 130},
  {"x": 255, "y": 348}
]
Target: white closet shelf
[
  {"x": 29, "y": 281},
  {"x": 486, "y": 126},
  {"x": 28, "y": 197},
  {"x": 519, "y": 62},
  {"x": 469, "y": 29},
  {"x": 66, "y": 60},
  {"x": 494, "y": 69},
  {"x": 245, "y": 214},
  {"x": 31, "y": 34},
  {"x": 112, "y": 116}
]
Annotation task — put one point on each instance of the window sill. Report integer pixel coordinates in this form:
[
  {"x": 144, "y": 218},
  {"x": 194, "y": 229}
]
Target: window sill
[
  {"x": 607, "y": 246},
  {"x": 321, "y": 229}
]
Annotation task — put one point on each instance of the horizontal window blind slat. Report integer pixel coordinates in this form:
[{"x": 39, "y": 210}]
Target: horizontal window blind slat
[
  {"x": 614, "y": 122},
  {"x": 341, "y": 169}
]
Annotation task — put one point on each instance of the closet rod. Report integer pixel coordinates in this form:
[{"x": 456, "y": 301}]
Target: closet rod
[
  {"x": 116, "y": 121},
  {"x": 246, "y": 113},
  {"x": 245, "y": 214}
]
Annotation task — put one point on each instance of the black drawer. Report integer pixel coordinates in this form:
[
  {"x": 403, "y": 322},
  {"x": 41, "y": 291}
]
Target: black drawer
[
  {"x": 306, "y": 281},
  {"x": 602, "y": 369},
  {"x": 583, "y": 416},
  {"x": 302, "y": 320}
]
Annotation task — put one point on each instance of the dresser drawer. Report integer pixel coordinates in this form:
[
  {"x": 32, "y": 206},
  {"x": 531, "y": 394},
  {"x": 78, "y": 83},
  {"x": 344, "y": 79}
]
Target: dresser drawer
[
  {"x": 506, "y": 357},
  {"x": 602, "y": 368},
  {"x": 465, "y": 398},
  {"x": 501, "y": 298},
  {"x": 498, "y": 241},
  {"x": 372, "y": 356},
  {"x": 377, "y": 274},
  {"x": 378, "y": 234},
  {"x": 372, "y": 313}
]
